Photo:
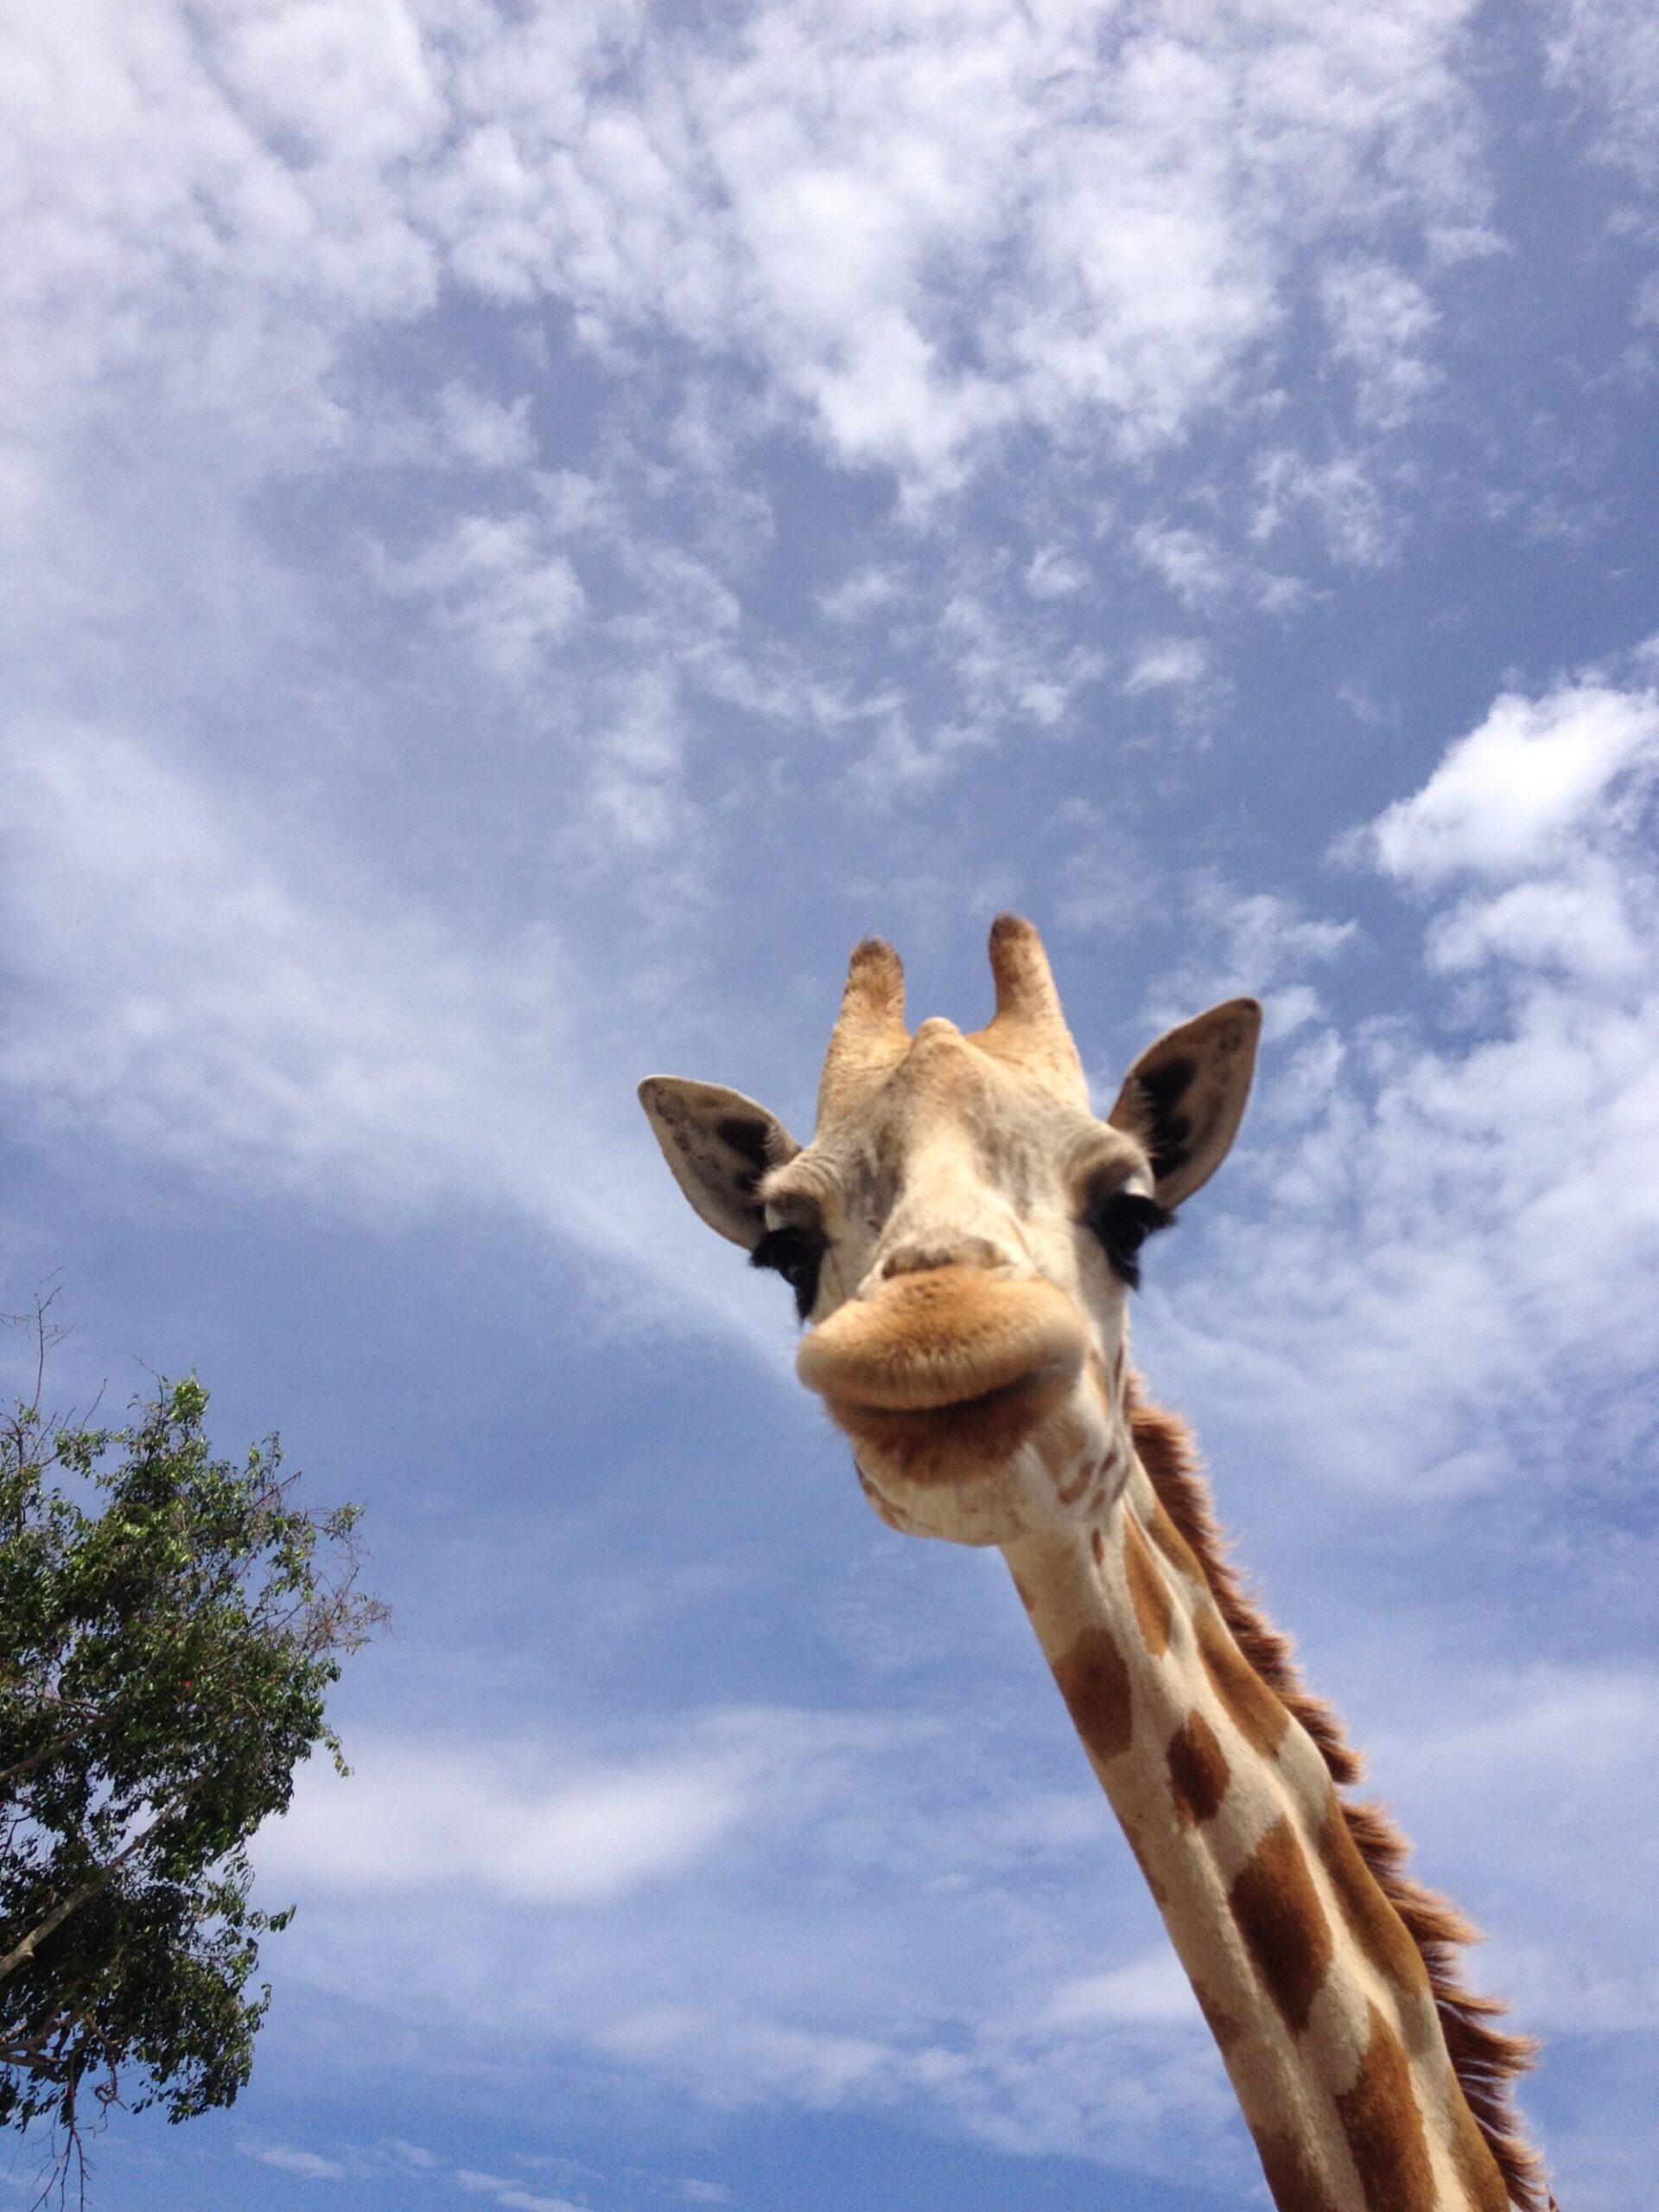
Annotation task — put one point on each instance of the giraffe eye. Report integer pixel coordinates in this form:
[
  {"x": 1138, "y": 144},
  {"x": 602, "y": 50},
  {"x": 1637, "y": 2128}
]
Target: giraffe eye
[
  {"x": 797, "y": 1254},
  {"x": 1123, "y": 1220}
]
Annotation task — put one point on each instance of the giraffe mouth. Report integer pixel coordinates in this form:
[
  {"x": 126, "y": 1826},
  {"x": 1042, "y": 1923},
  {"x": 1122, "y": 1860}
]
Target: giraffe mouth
[
  {"x": 944, "y": 1375},
  {"x": 975, "y": 1436}
]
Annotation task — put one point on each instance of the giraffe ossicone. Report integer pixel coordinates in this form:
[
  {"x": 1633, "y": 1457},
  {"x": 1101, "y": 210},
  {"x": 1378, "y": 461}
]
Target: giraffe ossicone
[{"x": 962, "y": 1235}]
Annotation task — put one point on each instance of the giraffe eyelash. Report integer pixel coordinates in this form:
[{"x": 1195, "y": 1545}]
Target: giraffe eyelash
[
  {"x": 1122, "y": 1221},
  {"x": 797, "y": 1255}
]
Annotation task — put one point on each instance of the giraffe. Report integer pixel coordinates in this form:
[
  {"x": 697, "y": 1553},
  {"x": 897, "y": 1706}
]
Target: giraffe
[{"x": 962, "y": 1236}]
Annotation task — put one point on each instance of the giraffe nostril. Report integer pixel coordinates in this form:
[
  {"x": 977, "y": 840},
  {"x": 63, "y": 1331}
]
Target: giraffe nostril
[{"x": 962, "y": 1252}]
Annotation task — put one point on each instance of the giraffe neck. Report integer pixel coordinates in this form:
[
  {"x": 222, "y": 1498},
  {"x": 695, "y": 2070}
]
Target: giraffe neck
[{"x": 1313, "y": 1988}]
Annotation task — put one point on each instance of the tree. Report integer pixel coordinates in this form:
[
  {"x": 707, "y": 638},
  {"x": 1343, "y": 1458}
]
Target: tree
[{"x": 170, "y": 1624}]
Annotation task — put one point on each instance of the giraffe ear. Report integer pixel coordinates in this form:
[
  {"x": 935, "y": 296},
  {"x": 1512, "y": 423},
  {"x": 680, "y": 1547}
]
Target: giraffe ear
[
  {"x": 719, "y": 1145},
  {"x": 1184, "y": 1098}
]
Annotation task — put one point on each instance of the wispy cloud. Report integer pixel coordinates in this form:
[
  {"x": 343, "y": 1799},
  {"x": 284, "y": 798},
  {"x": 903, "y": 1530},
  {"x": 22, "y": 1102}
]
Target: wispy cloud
[
  {"x": 497, "y": 580},
  {"x": 1258, "y": 944},
  {"x": 1166, "y": 664},
  {"x": 310, "y": 2165},
  {"x": 502, "y": 2190},
  {"x": 1538, "y": 1759},
  {"x": 200, "y": 1000},
  {"x": 390, "y": 2159},
  {"x": 1605, "y": 53},
  {"x": 499, "y": 1823},
  {"x": 807, "y": 1953},
  {"x": 804, "y": 191},
  {"x": 1459, "y": 1213},
  {"x": 1339, "y": 493},
  {"x": 1380, "y": 321}
]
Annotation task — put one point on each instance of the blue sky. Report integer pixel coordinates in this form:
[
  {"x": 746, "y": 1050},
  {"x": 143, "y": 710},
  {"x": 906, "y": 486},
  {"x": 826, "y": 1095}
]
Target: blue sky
[{"x": 530, "y": 530}]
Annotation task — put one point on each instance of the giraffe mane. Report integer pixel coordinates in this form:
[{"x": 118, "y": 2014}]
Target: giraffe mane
[{"x": 1485, "y": 2058}]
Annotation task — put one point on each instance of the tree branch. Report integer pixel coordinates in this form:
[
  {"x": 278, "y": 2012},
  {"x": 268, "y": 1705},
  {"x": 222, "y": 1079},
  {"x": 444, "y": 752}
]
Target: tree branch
[
  {"x": 22, "y": 1953},
  {"x": 50, "y": 1751}
]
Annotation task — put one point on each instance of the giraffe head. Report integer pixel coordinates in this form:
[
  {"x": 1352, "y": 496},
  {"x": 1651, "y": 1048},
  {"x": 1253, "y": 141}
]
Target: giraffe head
[{"x": 962, "y": 1234}]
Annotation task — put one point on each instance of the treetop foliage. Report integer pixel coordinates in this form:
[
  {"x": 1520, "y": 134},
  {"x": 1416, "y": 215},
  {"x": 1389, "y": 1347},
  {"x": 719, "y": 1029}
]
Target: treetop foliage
[{"x": 170, "y": 1625}]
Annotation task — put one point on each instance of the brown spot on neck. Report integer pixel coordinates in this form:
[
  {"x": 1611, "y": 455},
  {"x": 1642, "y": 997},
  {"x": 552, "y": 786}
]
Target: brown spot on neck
[
  {"x": 1094, "y": 1679},
  {"x": 1376, "y": 1927},
  {"x": 1173, "y": 1544},
  {"x": 1295, "y": 2184},
  {"x": 1384, "y": 2127},
  {"x": 1224, "y": 2024},
  {"x": 1149, "y": 1874},
  {"x": 1148, "y": 1592},
  {"x": 1255, "y": 1711},
  {"x": 1198, "y": 1774},
  {"x": 1282, "y": 1922}
]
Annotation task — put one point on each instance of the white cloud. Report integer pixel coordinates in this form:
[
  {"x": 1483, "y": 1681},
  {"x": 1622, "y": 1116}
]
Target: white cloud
[
  {"x": 510, "y": 2193},
  {"x": 208, "y": 205},
  {"x": 487, "y": 432},
  {"x": 1379, "y": 320},
  {"x": 1052, "y": 573},
  {"x": 391, "y": 2157},
  {"x": 187, "y": 957},
  {"x": 802, "y": 187},
  {"x": 1006, "y": 673},
  {"x": 806, "y": 2065},
  {"x": 1606, "y": 53},
  {"x": 203, "y": 999},
  {"x": 497, "y": 580},
  {"x": 1582, "y": 925},
  {"x": 1457, "y": 1233},
  {"x": 1540, "y": 1757},
  {"x": 308, "y": 2164},
  {"x": 1202, "y": 573},
  {"x": 1257, "y": 944},
  {"x": 1511, "y": 795},
  {"x": 635, "y": 791},
  {"x": 861, "y": 593},
  {"x": 1191, "y": 564},
  {"x": 1167, "y": 664},
  {"x": 787, "y": 213},
  {"x": 422, "y": 1818},
  {"x": 1342, "y": 496},
  {"x": 413, "y": 2156},
  {"x": 866, "y": 161}
]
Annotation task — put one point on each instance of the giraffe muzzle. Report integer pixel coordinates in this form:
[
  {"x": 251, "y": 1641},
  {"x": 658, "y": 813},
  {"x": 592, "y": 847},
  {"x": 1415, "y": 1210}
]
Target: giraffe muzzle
[{"x": 949, "y": 1370}]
